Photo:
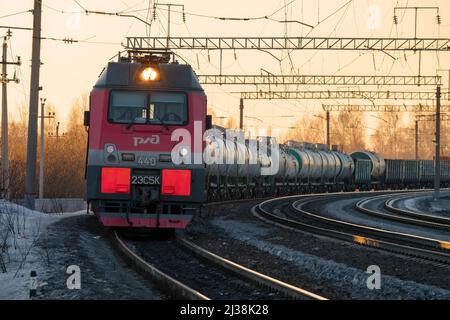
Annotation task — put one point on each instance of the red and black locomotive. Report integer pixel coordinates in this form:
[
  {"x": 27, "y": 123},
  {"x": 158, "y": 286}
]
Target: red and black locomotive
[{"x": 135, "y": 106}]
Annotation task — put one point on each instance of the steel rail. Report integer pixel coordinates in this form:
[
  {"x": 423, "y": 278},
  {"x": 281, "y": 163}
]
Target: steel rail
[
  {"x": 389, "y": 205},
  {"x": 416, "y": 219},
  {"x": 151, "y": 272},
  {"x": 377, "y": 232},
  {"x": 249, "y": 274},
  {"x": 435, "y": 250},
  {"x": 178, "y": 289}
]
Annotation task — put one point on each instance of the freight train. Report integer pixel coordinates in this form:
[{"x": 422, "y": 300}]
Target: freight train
[
  {"x": 307, "y": 168},
  {"x": 148, "y": 114}
]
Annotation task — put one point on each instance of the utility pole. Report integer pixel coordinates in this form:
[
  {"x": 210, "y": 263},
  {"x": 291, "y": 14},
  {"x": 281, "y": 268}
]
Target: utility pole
[
  {"x": 328, "y": 129},
  {"x": 30, "y": 179},
  {"x": 5, "y": 147},
  {"x": 241, "y": 114},
  {"x": 417, "y": 138},
  {"x": 57, "y": 132},
  {"x": 437, "y": 166},
  {"x": 41, "y": 153}
]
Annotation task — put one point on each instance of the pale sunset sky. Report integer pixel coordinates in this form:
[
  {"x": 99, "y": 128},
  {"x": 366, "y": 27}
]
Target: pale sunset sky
[{"x": 69, "y": 70}]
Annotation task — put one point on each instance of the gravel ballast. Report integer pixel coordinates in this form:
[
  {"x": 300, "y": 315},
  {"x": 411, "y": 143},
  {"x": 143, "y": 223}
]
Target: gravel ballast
[{"x": 324, "y": 266}]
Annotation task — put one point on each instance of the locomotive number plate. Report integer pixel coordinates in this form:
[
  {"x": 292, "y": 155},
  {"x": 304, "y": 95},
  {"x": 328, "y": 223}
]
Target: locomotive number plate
[
  {"x": 146, "y": 180},
  {"x": 147, "y": 161}
]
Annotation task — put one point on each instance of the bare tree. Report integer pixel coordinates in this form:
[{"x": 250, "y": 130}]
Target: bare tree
[{"x": 64, "y": 156}]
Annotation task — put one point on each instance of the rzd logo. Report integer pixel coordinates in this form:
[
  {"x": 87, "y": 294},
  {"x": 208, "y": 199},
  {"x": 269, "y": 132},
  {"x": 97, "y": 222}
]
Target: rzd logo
[{"x": 154, "y": 139}]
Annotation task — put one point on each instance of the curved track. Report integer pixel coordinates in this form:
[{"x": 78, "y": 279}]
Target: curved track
[
  {"x": 391, "y": 205},
  {"x": 381, "y": 207},
  {"x": 301, "y": 212},
  {"x": 202, "y": 275}
]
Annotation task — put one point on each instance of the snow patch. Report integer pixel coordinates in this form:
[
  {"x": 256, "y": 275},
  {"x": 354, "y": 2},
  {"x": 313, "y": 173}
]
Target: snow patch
[
  {"x": 20, "y": 229},
  {"x": 339, "y": 274}
]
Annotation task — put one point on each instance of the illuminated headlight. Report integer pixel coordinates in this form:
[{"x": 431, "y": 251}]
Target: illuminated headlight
[
  {"x": 149, "y": 74},
  {"x": 183, "y": 151}
]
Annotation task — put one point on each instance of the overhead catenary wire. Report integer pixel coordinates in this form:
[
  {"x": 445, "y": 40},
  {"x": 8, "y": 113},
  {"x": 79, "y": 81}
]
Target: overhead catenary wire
[
  {"x": 72, "y": 40},
  {"x": 221, "y": 17},
  {"x": 22, "y": 78},
  {"x": 231, "y": 18},
  {"x": 16, "y": 13}
]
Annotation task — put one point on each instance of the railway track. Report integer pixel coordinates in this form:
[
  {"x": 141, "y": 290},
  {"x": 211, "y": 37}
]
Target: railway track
[
  {"x": 390, "y": 205},
  {"x": 291, "y": 212},
  {"x": 390, "y": 212},
  {"x": 193, "y": 273}
]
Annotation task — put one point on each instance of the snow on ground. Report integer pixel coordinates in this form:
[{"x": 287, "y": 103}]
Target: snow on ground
[
  {"x": 426, "y": 204},
  {"x": 414, "y": 203},
  {"x": 321, "y": 269},
  {"x": 20, "y": 229}
]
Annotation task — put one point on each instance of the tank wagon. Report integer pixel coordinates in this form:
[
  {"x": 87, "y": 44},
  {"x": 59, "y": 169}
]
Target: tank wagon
[{"x": 306, "y": 167}]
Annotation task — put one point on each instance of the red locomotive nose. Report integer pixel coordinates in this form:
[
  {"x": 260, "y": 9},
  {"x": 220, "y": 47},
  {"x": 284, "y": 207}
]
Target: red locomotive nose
[{"x": 136, "y": 106}]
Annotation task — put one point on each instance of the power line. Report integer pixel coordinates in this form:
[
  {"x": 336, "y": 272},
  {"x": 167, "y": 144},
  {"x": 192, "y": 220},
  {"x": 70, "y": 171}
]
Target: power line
[
  {"x": 15, "y": 28},
  {"x": 80, "y": 5},
  {"x": 16, "y": 13},
  {"x": 117, "y": 14},
  {"x": 221, "y": 17},
  {"x": 69, "y": 40},
  {"x": 60, "y": 10}
]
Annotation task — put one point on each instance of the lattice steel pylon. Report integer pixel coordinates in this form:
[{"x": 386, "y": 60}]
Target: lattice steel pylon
[
  {"x": 349, "y": 94},
  {"x": 383, "y": 108},
  {"x": 354, "y": 80},
  {"x": 293, "y": 43},
  {"x": 432, "y": 117}
]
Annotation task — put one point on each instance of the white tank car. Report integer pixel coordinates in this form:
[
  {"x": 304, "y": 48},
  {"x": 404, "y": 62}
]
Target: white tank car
[
  {"x": 330, "y": 164},
  {"x": 347, "y": 166},
  {"x": 288, "y": 164},
  {"x": 316, "y": 164},
  {"x": 235, "y": 157},
  {"x": 254, "y": 167},
  {"x": 214, "y": 150},
  {"x": 295, "y": 160}
]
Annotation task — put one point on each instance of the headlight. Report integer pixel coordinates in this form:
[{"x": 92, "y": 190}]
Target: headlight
[
  {"x": 110, "y": 149},
  {"x": 110, "y": 153},
  {"x": 149, "y": 74}
]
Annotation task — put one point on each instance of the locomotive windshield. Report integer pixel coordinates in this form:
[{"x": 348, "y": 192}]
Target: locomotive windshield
[{"x": 142, "y": 108}]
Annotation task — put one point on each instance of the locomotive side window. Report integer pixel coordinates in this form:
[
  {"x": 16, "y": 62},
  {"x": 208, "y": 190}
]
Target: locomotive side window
[
  {"x": 128, "y": 107},
  {"x": 168, "y": 108}
]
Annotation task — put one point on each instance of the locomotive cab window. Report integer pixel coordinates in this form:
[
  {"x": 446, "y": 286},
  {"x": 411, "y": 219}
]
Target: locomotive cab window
[
  {"x": 142, "y": 108},
  {"x": 128, "y": 107},
  {"x": 168, "y": 108}
]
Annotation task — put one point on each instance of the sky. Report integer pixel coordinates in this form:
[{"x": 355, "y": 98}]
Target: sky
[{"x": 69, "y": 70}]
